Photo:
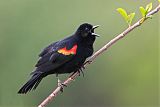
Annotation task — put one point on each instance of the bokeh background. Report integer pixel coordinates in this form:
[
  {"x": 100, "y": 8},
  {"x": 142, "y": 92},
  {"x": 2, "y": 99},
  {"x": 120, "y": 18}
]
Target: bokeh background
[{"x": 124, "y": 76}]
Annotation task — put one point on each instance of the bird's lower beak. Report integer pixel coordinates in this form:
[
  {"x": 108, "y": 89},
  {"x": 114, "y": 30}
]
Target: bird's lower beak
[
  {"x": 94, "y": 34},
  {"x": 94, "y": 27}
]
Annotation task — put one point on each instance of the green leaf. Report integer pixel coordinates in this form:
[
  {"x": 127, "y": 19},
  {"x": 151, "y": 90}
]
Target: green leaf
[
  {"x": 148, "y": 7},
  {"x": 130, "y": 18},
  {"x": 123, "y": 13},
  {"x": 143, "y": 11}
]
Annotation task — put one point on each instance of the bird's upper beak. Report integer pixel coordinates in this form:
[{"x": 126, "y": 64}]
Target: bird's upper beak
[{"x": 94, "y": 27}]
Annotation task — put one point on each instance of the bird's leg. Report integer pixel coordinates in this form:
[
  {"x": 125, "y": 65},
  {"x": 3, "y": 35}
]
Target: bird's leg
[{"x": 60, "y": 84}]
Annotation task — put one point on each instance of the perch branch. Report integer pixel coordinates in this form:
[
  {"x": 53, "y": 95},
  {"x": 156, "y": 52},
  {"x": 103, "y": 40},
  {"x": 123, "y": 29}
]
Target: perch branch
[{"x": 100, "y": 51}]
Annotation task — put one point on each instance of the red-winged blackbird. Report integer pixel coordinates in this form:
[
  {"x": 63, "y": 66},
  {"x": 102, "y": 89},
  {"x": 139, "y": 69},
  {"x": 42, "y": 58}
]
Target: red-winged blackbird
[{"x": 64, "y": 56}]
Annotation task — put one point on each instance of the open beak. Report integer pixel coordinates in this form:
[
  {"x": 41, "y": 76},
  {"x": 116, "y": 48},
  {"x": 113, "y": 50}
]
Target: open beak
[{"x": 94, "y": 27}]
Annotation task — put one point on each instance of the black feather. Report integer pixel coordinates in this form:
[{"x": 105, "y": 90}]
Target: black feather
[
  {"x": 31, "y": 84},
  {"x": 54, "y": 61}
]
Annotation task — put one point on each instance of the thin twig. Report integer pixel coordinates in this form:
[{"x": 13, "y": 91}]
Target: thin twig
[{"x": 100, "y": 51}]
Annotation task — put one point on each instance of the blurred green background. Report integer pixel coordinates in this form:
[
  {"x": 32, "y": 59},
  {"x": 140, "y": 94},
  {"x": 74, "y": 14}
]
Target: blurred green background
[{"x": 124, "y": 76}]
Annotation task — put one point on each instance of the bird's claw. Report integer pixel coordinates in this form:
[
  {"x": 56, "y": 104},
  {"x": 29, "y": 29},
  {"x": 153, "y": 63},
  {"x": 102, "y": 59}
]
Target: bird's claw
[
  {"x": 89, "y": 62},
  {"x": 61, "y": 85},
  {"x": 81, "y": 70},
  {"x": 83, "y": 67}
]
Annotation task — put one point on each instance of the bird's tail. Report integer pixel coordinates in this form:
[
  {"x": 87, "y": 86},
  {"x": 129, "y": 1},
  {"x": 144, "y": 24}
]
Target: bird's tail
[{"x": 31, "y": 84}]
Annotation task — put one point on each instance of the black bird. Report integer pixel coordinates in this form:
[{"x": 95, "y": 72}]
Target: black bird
[{"x": 64, "y": 56}]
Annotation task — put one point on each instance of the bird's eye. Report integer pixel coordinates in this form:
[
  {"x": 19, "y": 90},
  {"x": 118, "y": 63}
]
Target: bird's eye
[{"x": 86, "y": 29}]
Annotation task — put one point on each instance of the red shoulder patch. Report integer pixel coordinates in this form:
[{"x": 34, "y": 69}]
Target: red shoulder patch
[{"x": 71, "y": 51}]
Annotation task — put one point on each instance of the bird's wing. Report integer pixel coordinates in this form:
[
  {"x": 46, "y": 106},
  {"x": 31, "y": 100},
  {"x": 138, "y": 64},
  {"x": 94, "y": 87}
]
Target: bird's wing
[
  {"x": 52, "y": 47},
  {"x": 55, "y": 56},
  {"x": 47, "y": 49}
]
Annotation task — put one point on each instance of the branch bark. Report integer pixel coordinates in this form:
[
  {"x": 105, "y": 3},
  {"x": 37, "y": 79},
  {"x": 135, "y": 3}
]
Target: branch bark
[{"x": 93, "y": 57}]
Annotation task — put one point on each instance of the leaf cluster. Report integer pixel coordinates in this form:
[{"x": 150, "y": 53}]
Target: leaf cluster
[{"x": 129, "y": 17}]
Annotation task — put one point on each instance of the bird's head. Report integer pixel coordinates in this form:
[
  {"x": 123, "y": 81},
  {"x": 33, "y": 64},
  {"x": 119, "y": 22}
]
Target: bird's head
[{"x": 87, "y": 30}]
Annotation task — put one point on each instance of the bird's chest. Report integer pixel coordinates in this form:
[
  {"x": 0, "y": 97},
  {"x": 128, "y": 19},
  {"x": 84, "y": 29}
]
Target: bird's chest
[
  {"x": 81, "y": 55},
  {"x": 84, "y": 51}
]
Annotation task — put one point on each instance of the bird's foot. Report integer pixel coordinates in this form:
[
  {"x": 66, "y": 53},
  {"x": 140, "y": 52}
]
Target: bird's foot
[
  {"x": 80, "y": 70},
  {"x": 61, "y": 85}
]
